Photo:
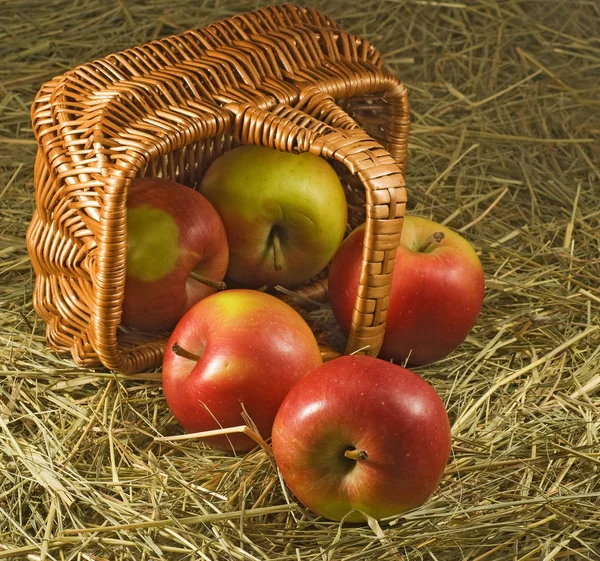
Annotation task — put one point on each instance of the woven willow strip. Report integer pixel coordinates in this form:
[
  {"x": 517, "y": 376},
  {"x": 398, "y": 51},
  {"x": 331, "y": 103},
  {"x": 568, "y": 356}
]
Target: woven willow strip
[{"x": 276, "y": 77}]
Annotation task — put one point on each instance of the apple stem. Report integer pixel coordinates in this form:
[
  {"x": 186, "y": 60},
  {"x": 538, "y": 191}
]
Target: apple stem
[
  {"x": 436, "y": 237},
  {"x": 277, "y": 257},
  {"x": 219, "y": 285},
  {"x": 354, "y": 454},
  {"x": 184, "y": 353}
]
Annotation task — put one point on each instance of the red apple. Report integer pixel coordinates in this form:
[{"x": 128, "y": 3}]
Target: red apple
[
  {"x": 285, "y": 214},
  {"x": 436, "y": 296},
  {"x": 237, "y": 347},
  {"x": 172, "y": 232},
  {"x": 360, "y": 433}
]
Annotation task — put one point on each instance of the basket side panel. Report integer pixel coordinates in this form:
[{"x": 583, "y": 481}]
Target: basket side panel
[{"x": 63, "y": 288}]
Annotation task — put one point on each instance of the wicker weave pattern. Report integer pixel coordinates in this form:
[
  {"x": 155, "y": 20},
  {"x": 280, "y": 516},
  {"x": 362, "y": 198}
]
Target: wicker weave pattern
[{"x": 271, "y": 77}]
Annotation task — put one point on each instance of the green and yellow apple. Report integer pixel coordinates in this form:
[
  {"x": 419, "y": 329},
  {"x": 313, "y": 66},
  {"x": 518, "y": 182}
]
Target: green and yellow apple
[
  {"x": 437, "y": 291},
  {"x": 285, "y": 214},
  {"x": 361, "y": 434},
  {"x": 176, "y": 252},
  {"x": 236, "y": 350}
]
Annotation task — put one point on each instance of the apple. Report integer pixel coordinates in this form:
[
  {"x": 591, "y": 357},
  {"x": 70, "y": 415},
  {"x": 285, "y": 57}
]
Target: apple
[
  {"x": 236, "y": 350},
  {"x": 177, "y": 252},
  {"x": 436, "y": 295},
  {"x": 361, "y": 434},
  {"x": 285, "y": 214}
]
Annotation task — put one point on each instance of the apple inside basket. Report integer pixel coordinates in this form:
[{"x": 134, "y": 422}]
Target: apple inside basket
[{"x": 283, "y": 217}]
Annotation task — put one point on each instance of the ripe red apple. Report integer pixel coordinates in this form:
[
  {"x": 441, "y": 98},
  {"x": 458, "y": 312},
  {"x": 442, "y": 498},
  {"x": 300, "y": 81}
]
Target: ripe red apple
[
  {"x": 239, "y": 346},
  {"x": 361, "y": 433},
  {"x": 436, "y": 296},
  {"x": 285, "y": 214},
  {"x": 172, "y": 232}
]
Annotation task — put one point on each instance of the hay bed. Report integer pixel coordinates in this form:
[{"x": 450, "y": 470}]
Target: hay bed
[{"x": 504, "y": 148}]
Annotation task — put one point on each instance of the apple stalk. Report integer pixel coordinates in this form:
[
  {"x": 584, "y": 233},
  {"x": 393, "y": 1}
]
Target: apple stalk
[
  {"x": 219, "y": 285},
  {"x": 354, "y": 454},
  {"x": 277, "y": 255},
  {"x": 184, "y": 353},
  {"x": 436, "y": 237}
]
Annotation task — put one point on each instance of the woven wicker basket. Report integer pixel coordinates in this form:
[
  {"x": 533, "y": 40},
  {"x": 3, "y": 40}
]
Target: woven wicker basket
[{"x": 284, "y": 77}]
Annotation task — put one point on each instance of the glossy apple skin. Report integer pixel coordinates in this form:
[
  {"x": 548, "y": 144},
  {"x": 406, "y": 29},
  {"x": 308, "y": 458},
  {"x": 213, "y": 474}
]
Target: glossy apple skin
[
  {"x": 171, "y": 230},
  {"x": 258, "y": 191},
  {"x": 363, "y": 403},
  {"x": 436, "y": 296},
  {"x": 254, "y": 348}
]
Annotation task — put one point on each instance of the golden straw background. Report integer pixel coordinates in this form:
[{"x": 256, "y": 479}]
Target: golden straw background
[{"x": 504, "y": 148}]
